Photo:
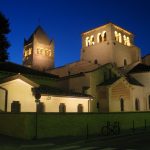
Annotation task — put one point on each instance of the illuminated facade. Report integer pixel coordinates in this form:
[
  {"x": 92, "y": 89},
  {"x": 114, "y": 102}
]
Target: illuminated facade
[
  {"x": 105, "y": 71},
  {"x": 111, "y": 76},
  {"x": 109, "y": 44},
  {"x": 17, "y": 93},
  {"x": 38, "y": 51}
]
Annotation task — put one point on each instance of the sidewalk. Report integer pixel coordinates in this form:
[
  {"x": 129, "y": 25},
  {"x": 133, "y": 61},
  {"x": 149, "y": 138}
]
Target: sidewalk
[{"x": 11, "y": 143}]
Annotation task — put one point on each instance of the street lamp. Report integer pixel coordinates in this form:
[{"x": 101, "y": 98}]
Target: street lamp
[{"x": 37, "y": 101}]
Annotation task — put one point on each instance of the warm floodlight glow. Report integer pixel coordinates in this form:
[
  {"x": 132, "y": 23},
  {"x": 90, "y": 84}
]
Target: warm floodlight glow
[
  {"x": 27, "y": 52},
  {"x": 30, "y": 51},
  {"x": 44, "y": 52},
  {"x": 92, "y": 40},
  {"x": 120, "y": 37},
  {"x": 99, "y": 38},
  {"x": 87, "y": 41},
  {"x": 104, "y": 36},
  {"x": 128, "y": 41},
  {"x": 125, "y": 40},
  {"x": 116, "y": 36}
]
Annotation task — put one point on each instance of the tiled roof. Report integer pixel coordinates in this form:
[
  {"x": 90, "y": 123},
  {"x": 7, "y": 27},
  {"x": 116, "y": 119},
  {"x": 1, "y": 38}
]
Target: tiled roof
[
  {"x": 140, "y": 68},
  {"x": 106, "y": 25},
  {"x": 42, "y": 85},
  {"x": 81, "y": 74},
  {"x": 55, "y": 91},
  {"x": 39, "y": 80},
  {"x": 74, "y": 68},
  {"x": 145, "y": 56},
  {"x": 5, "y": 74},
  {"x": 133, "y": 81},
  {"x": 109, "y": 82},
  {"x": 15, "y": 68},
  {"x": 130, "y": 80},
  {"x": 30, "y": 39}
]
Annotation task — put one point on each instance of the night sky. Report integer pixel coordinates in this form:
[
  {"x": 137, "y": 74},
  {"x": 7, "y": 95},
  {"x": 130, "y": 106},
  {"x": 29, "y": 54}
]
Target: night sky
[{"x": 65, "y": 20}]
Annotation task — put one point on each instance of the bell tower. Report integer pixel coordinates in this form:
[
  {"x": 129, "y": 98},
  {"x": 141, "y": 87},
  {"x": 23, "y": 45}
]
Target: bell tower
[
  {"x": 109, "y": 44},
  {"x": 38, "y": 51}
]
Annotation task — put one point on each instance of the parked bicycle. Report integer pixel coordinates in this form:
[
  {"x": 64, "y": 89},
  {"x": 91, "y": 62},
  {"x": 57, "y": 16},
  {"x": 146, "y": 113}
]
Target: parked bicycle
[{"x": 111, "y": 129}]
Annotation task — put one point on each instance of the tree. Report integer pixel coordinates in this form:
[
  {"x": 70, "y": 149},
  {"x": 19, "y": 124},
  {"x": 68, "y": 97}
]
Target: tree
[{"x": 4, "y": 44}]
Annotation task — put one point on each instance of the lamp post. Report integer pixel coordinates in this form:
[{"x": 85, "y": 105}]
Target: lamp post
[{"x": 37, "y": 101}]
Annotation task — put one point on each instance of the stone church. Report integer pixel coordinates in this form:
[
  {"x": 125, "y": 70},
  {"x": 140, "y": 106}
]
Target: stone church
[{"x": 111, "y": 75}]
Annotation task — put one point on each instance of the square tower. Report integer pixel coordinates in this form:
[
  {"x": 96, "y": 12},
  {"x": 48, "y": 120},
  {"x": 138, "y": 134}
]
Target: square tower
[
  {"x": 38, "y": 51},
  {"x": 109, "y": 44}
]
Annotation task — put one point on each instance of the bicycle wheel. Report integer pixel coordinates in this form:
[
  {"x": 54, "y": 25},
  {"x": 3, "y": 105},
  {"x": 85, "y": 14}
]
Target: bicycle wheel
[
  {"x": 116, "y": 130},
  {"x": 104, "y": 131}
]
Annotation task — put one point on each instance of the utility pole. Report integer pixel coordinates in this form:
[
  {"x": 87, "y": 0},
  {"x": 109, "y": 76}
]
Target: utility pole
[{"x": 37, "y": 101}]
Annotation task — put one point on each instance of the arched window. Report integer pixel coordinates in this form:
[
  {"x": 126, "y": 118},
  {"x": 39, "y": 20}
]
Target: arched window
[
  {"x": 119, "y": 38},
  {"x": 128, "y": 41},
  {"x": 137, "y": 104},
  {"x": 116, "y": 36},
  {"x": 124, "y": 40},
  {"x": 99, "y": 38},
  {"x": 122, "y": 104},
  {"x": 149, "y": 101},
  {"x": 62, "y": 108},
  {"x": 104, "y": 36},
  {"x": 125, "y": 62},
  {"x": 30, "y": 51},
  {"x": 97, "y": 105},
  {"x": 80, "y": 108},
  {"x": 15, "y": 106},
  {"x": 25, "y": 54},
  {"x": 92, "y": 40},
  {"x": 87, "y": 41},
  {"x": 95, "y": 61}
]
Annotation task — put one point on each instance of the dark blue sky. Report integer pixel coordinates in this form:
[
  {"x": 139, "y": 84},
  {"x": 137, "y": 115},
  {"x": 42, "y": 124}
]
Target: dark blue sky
[{"x": 65, "y": 20}]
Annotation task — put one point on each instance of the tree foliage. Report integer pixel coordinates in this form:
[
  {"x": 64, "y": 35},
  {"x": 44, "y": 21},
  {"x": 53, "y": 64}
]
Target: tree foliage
[{"x": 4, "y": 44}]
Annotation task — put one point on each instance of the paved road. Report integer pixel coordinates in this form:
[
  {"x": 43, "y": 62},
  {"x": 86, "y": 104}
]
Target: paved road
[{"x": 130, "y": 142}]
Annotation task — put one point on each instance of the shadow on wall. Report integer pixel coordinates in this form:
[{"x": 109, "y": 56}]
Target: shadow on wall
[{"x": 25, "y": 125}]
